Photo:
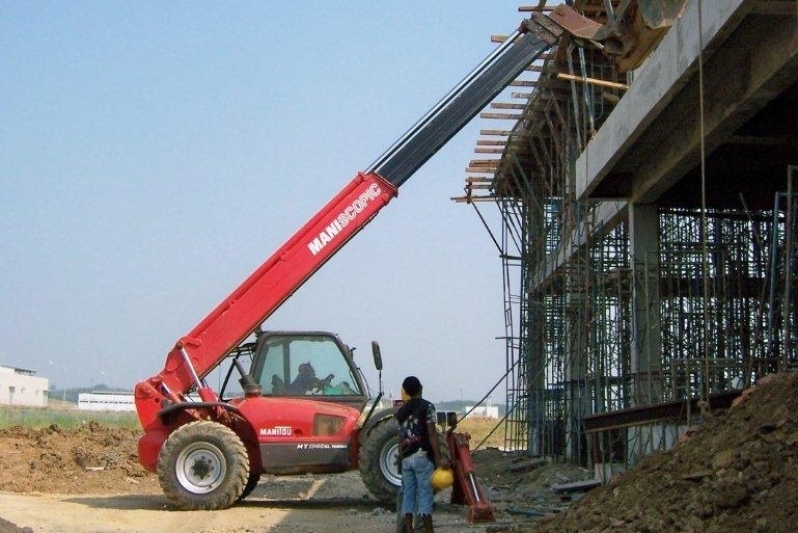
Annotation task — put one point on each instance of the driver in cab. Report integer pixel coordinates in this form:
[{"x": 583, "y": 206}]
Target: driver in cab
[{"x": 306, "y": 381}]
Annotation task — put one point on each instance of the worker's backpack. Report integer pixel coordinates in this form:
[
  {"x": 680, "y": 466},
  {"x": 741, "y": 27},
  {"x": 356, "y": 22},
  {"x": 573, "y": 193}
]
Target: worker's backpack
[{"x": 413, "y": 417}]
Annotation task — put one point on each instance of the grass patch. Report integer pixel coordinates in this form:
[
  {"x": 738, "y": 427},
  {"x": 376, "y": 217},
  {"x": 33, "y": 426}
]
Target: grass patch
[
  {"x": 41, "y": 417},
  {"x": 490, "y": 430}
]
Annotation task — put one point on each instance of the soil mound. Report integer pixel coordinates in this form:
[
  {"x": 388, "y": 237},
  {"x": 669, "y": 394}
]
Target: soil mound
[
  {"x": 92, "y": 459},
  {"x": 737, "y": 472}
]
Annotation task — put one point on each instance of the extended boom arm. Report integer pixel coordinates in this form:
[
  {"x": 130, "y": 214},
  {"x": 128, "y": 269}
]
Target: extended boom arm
[{"x": 235, "y": 318}]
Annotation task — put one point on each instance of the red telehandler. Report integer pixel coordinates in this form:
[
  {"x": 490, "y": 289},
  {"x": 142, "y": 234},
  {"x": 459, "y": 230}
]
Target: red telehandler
[{"x": 274, "y": 414}]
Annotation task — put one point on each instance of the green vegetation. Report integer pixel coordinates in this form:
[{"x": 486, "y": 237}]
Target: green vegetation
[
  {"x": 38, "y": 417},
  {"x": 66, "y": 415}
]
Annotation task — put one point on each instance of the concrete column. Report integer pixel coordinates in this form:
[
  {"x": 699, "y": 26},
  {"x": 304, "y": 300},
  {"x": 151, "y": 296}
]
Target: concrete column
[
  {"x": 535, "y": 377},
  {"x": 646, "y": 351},
  {"x": 575, "y": 339}
]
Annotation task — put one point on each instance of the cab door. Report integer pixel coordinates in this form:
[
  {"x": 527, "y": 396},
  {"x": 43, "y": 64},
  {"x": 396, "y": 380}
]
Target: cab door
[{"x": 312, "y": 397}]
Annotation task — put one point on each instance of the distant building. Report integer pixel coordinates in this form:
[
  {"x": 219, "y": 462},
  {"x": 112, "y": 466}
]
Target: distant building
[
  {"x": 106, "y": 401},
  {"x": 19, "y": 386},
  {"x": 482, "y": 411}
]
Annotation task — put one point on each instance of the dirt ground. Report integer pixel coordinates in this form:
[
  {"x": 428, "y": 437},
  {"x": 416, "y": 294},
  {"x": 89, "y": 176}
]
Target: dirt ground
[
  {"x": 88, "y": 480},
  {"x": 736, "y": 472}
]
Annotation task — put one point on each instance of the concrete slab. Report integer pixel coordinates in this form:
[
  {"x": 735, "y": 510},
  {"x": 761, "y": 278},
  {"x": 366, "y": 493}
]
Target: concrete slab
[{"x": 656, "y": 83}]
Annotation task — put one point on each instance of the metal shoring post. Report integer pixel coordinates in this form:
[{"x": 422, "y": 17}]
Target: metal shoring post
[
  {"x": 773, "y": 275},
  {"x": 585, "y": 85},
  {"x": 574, "y": 96},
  {"x": 786, "y": 312}
]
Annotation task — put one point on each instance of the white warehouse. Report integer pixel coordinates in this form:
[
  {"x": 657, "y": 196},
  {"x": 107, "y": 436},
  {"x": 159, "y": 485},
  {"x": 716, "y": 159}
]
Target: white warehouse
[
  {"x": 106, "y": 401},
  {"x": 19, "y": 386},
  {"x": 482, "y": 411}
]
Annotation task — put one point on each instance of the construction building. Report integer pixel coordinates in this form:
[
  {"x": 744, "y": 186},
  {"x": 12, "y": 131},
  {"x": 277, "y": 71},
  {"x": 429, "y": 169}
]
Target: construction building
[{"x": 644, "y": 176}]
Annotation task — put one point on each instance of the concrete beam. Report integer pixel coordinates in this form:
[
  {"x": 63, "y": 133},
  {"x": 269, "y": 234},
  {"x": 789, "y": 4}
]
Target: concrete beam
[
  {"x": 661, "y": 78},
  {"x": 756, "y": 64}
]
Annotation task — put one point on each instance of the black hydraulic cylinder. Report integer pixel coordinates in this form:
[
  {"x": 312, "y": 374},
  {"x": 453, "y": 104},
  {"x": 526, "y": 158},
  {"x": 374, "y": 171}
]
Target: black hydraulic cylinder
[{"x": 398, "y": 165}]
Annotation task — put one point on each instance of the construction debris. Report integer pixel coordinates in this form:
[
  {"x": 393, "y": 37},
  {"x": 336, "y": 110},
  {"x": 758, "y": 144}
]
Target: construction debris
[{"x": 738, "y": 472}]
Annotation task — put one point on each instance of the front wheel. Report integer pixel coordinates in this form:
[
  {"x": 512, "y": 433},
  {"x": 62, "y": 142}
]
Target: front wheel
[
  {"x": 379, "y": 461},
  {"x": 203, "y": 466},
  {"x": 252, "y": 483}
]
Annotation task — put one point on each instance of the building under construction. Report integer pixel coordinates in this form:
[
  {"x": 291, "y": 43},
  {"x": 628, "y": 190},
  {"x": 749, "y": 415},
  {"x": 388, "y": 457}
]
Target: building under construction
[{"x": 644, "y": 173}]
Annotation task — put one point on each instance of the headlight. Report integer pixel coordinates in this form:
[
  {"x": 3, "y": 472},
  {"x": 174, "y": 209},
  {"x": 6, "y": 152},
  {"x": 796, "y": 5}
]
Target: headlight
[{"x": 324, "y": 425}]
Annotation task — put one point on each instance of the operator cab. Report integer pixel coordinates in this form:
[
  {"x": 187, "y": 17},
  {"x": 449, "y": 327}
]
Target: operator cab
[
  {"x": 305, "y": 364},
  {"x": 315, "y": 365}
]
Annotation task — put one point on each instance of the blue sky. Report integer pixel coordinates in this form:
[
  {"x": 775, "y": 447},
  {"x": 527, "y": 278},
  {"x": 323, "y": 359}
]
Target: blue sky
[{"x": 153, "y": 154}]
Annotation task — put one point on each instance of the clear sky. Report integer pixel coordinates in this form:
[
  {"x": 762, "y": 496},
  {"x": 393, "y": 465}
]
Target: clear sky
[{"x": 153, "y": 154}]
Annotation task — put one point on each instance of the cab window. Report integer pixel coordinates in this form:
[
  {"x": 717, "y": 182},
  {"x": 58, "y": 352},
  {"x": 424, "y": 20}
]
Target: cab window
[{"x": 305, "y": 365}]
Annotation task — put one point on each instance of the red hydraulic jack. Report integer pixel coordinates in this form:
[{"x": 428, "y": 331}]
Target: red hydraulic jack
[{"x": 466, "y": 489}]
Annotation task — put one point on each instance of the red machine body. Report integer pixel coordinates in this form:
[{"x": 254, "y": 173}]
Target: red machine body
[
  {"x": 210, "y": 452},
  {"x": 260, "y": 295}
]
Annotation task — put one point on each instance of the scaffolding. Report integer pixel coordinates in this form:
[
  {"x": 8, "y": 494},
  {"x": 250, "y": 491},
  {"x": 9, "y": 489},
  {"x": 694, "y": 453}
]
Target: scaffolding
[
  {"x": 720, "y": 304},
  {"x": 597, "y": 322}
]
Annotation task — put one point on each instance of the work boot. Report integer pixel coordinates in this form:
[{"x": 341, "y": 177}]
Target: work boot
[
  {"x": 409, "y": 524},
  {"x": 427, "y": 520}
]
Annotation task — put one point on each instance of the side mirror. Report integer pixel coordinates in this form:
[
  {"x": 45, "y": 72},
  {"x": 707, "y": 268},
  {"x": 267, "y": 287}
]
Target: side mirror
[{"x": 375, "y": 349}]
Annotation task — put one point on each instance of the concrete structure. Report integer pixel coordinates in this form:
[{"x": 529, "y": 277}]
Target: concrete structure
[
  {"x": 19, "y": 386},
  {"x": 648, "y": 247}
]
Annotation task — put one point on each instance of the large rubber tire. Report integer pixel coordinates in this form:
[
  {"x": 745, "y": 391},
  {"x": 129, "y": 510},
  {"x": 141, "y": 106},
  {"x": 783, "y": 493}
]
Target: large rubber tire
[
  {"x": 379, "y": 461},
  {"x": 203, "y": 466},
  {"x": 252, "y": 483}
]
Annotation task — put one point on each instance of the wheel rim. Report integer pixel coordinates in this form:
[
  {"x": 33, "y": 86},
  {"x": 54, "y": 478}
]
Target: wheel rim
[
  {"x": 389, "y": 463},
  {"x": 201, "y": 468}
]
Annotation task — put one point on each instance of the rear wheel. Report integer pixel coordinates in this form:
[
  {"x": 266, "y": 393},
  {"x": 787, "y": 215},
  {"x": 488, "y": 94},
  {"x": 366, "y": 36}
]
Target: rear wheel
[
  {"x": 379, "y": 461},
  {"x": 203, "y": 465}
]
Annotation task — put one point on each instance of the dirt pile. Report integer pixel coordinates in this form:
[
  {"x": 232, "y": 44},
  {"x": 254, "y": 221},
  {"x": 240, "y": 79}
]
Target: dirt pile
[
  {"x": 92, "y": 459},
  {"x": 737, "y": 472}
]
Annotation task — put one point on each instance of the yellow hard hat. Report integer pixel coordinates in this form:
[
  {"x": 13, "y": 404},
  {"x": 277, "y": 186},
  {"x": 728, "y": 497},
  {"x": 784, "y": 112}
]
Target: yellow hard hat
[{"x": 442, "y": 478}]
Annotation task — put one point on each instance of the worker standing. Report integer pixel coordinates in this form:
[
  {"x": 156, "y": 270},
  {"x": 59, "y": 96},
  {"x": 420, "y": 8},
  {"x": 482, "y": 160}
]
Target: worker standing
[{"x": 419, "y": 453}]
